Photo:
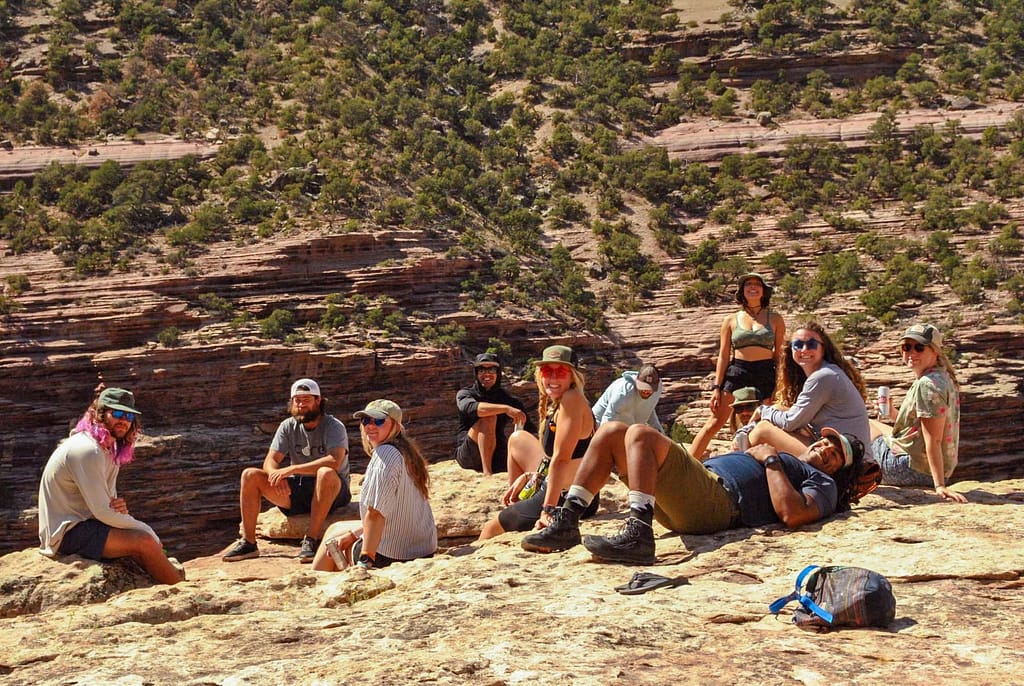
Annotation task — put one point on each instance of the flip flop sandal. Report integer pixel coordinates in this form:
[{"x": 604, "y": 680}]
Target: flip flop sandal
[{"x": 642, "y": 582}]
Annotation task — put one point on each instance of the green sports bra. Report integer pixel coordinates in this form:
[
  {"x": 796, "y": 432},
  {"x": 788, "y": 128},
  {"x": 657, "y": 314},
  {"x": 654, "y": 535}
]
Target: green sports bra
[{"x": 762, "y": 337}]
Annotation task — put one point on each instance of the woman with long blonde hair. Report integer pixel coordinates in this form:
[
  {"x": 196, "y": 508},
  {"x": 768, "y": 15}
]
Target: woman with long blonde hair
[
  {"x": 396, "y": 523},
  {"x": 567, "y": 424},
  {"x": 921, "y": 448}
]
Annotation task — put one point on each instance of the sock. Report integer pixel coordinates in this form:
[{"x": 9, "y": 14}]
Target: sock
[
  {"x": 578, "y": 498},
  {"x": 641, "y": 506},
  {"x": 638, "y": 500}
]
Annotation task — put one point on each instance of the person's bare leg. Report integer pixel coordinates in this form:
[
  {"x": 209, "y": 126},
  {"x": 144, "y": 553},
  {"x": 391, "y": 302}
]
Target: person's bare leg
[
  {"x": 328, "y": 485},
  {"x": 606, "y": 450},
  {"x": 712, "y": 426},
  {"x": 646, "y": 451},
  {"x": 491, "y": 529},
  {"x": 144, "y": 548},
  {"x": 255, "y": 485},
  {"x": 879, "y": 429},
  {"x": 483, "y": 433},
  {"x": 524, "y": 454}
]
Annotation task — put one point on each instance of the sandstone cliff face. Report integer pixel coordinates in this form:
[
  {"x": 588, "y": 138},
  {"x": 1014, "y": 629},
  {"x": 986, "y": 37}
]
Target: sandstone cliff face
[
  {"x": 211, "y": 404},
  {"x": 493, "y": 614}
]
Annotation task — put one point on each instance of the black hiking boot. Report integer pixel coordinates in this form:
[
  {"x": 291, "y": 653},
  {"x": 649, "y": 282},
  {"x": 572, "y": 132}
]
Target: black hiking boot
[
  {"x": 634, "y": 544},
  {"x": 561, "y": 534}
]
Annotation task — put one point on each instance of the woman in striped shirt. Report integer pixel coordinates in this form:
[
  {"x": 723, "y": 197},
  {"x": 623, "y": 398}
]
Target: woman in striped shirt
[{"x": 396, "y": 522}]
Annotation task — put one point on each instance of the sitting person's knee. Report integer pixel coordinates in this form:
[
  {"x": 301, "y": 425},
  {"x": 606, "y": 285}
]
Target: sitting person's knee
[
  {"x": 327, "y": 475},
  {"x": 639, "y": 433},
  {"x": 761, "y": 431},
  {"x": 252, "y": 474}
]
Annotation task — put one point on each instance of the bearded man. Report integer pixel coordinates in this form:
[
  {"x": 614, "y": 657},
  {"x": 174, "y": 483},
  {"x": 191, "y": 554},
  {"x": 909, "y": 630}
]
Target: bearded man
[
  {"x": 315, "y": 479},
  {"x": 80, "y": 512}
]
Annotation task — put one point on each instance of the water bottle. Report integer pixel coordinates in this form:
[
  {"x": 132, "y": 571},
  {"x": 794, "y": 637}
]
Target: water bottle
[
  {"x": 742, "y": 441},
  {"x": 535, "y": 481}
]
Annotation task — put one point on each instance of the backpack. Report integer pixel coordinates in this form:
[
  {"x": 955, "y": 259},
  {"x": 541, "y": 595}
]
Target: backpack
[{"x": 838, "y": 596}]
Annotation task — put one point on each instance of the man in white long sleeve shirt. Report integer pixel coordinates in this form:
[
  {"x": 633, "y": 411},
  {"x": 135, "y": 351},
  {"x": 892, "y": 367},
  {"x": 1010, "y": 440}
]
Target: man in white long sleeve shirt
[{"x": 79, "y": 510}]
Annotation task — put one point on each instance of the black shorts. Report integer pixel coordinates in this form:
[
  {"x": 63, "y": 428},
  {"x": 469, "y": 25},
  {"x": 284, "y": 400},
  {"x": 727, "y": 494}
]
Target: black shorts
[
  {"x": 380, "y": 560},
  {"x": 87, "y": 538},
  {"x": 523, "y": 515},
  {"x": 303, "y": 487},
  {"x": 467, "y": 454},
  {"x": 759, "y": 373}
]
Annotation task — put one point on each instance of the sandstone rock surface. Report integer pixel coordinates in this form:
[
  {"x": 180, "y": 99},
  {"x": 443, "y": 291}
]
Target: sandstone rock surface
[{"x": 492, "y": 614}]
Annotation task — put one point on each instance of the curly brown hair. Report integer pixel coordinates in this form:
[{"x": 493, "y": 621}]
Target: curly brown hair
[{"x": 790, "y": 376}]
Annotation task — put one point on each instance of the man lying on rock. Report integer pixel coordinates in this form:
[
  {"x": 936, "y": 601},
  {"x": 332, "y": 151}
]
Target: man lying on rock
[
  {"x": 79, "y": 511},
  {"x": 738, "y": 489}
]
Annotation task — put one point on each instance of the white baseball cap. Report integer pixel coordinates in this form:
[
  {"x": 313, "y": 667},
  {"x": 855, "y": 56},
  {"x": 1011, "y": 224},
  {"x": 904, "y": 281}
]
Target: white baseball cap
[{"x": 305, "y": 387}]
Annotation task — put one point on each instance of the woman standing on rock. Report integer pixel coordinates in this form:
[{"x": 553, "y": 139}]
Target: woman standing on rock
[
  {"x": 752, "y": 344},
  {"x": 567, "y": 425},
  {"x": 818, "y": 387},
  {"x": 921, "y": 447},
  {"x": 397, "y": 523}
]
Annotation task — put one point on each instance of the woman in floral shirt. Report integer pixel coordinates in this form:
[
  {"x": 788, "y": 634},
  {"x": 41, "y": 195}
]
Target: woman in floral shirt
[{"x": 921, "y": 447}]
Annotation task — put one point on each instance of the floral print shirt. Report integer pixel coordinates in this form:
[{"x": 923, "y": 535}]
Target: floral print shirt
[{"x": 933, "y": 395}]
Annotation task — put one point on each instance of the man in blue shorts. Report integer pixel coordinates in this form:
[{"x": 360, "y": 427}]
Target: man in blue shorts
[
  {"x": 739, "y": 489},
  {"x": 80, "y": 512},
  {"x": 314, "y": 480}
]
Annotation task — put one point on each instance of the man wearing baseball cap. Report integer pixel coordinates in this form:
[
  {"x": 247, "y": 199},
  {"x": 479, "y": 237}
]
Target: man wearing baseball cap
[
  {"x": 632, "y": 398},
  {"x": 305, "y": 471},
  {"x": 80, "y": 512}
]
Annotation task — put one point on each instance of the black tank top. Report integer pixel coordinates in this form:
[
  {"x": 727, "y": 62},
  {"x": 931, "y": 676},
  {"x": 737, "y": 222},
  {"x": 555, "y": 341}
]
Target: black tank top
[{"x": 548, "y": 439}]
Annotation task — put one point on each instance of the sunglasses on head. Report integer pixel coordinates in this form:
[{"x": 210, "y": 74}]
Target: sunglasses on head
[
  {"x": 810, "y": 344},
  {"x": 554, "y": 370},
  {"x": 122, "y": 414},
  {"x": 916, "y": 347},
  {"x": 373, "y": 420}
]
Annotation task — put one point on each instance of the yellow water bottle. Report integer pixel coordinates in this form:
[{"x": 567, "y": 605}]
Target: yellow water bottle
[{"x": 535, "y": 481}]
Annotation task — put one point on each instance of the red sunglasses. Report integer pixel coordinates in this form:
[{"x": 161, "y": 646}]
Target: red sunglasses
[{"x": 554, "y": 370}]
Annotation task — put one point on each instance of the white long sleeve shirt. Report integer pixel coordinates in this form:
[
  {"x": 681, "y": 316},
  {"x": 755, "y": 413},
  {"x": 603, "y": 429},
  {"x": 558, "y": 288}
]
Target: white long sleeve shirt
[{"x": 78, "y": 484}]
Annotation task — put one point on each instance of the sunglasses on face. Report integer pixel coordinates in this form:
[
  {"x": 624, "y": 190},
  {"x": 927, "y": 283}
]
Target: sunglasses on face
[
  {"x": 121, "y": 414},
  {"x": 554, "y": 371},
  {"x": 486, "y": 370},
  {"x": 810, "y": 344},
  {"x": 916, "y": 347},
  {"x": 373, "y": 420}
]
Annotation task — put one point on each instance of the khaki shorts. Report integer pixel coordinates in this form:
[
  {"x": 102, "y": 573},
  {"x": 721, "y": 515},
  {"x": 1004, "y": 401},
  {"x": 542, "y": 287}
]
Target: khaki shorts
[{"x": 689, "y": 499}]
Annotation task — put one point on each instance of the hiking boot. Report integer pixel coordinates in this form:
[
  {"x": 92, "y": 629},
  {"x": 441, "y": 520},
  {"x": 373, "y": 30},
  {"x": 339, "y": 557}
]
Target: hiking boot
[
  {"x": 307, "y": 549},
  {"x": 633, "y": 545},
  {"x": 243, "y": 550},
  {"x": 561, "y": 534}
]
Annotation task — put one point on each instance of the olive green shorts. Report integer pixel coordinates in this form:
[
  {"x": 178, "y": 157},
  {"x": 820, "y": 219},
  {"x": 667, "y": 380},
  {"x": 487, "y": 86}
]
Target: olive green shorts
[{"x": 689, "y": 499}]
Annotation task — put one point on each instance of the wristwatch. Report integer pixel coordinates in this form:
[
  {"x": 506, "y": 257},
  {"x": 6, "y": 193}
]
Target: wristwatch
[{"x": 770, "y": 460}]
